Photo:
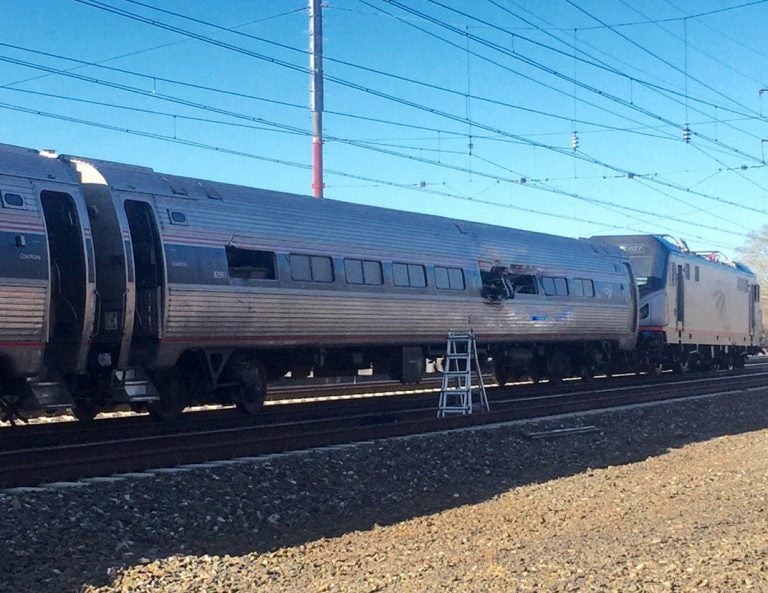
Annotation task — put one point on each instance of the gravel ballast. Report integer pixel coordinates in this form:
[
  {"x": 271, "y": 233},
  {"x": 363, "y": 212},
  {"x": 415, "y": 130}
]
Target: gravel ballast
[{"x": 669, "y": 497}]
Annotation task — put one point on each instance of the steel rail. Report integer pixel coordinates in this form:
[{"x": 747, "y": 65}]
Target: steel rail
[{"x": 200, "y": 443}]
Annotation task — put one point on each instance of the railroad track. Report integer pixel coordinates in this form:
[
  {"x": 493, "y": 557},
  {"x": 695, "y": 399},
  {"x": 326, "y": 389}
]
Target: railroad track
[{"x": 34, "y": 455}]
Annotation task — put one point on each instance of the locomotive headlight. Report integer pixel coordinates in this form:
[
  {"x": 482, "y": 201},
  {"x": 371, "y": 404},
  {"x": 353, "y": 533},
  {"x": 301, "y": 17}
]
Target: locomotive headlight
[{"x": 645, "y": 310}]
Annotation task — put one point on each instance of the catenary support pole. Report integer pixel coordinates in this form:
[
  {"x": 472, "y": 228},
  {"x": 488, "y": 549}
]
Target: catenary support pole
[{"x": 316, "y": 93}]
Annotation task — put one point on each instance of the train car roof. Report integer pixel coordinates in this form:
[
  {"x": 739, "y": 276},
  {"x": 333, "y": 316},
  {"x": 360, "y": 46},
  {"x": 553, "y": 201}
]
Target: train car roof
[
  {"x": 329, "y": 221},
  {"x": 17, "y": 161}
]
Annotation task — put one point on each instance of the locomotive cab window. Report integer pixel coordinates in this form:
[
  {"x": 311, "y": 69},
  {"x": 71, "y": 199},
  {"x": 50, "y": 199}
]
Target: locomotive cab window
[
  {"x": 412, "y": 275},
  {"x": 554, "y": 285},
  {"x": 361, "y": 271},
  {"x": 449, "y": 278},
  {"x": 13, "y": 201},
  {"x": 250, "y": 264},
  {"x": 311, "y": 268}
]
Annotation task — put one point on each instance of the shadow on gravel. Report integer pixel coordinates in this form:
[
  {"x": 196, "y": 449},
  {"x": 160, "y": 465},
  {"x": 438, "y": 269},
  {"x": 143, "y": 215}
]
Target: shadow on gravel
[{"x": 68, "y": 539}]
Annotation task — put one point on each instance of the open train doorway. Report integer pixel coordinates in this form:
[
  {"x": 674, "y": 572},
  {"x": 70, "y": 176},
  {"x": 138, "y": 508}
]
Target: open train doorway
[
  {"x": 68, "y": 278},
  {"x": 148, "y": 269}
]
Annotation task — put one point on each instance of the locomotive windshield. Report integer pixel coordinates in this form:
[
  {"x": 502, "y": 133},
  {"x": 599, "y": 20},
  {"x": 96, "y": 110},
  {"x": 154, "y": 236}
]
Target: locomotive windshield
[{"x": 648, "y": 258}]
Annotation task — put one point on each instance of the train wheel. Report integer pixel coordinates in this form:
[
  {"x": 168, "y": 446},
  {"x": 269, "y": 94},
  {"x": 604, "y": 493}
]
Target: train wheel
[
  {"x": 253, "y": 389},
  {"x": 173, "y": 396},
  {"x": 738, "y": 360},
  {"x": 85, "y": 410},
  {"x": 681, "y": 366}
]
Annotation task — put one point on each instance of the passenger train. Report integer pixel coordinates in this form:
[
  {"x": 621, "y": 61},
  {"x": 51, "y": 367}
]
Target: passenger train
[{"x": 123, "y": 286}]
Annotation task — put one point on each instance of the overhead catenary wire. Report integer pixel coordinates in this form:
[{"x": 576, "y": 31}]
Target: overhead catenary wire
[
  {"x": 198, "y": 105},
  {"x": 412, "y": 187},
  {"x": 517, "y": 56},
  {"x": 206, "y": 146},
  {"x": 134, "y": 16},
  {"x": 438, "y": 129}
]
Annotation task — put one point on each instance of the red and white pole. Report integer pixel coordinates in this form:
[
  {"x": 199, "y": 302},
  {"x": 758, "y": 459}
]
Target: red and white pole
[{"x": 316, "y": 93}]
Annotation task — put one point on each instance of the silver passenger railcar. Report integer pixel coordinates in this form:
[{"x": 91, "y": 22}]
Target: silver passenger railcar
[
  {"x": 204, "y": 291},
  {"x": 696, "y": 309}
]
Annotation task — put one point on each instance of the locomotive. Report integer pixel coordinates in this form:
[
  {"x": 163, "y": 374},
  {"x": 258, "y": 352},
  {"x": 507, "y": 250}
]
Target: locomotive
[{"x": 123, "y": 286}]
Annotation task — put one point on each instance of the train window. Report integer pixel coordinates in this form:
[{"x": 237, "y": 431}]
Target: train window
[
  {"x": 696, "y": 273},
  {"x": 372, "y": 272},
  {"x": 322, "y": 269},
  {"x": 756, "y": 293},
  {"x": 13, "y": 201},
  {"x": 449, "y": 278},
  {"x": 311, "y": 268},
  {"x": 301, "y": 269},
  {"x": 554, "y": 285},
  {"x": 417, "y": 276},
  {"x": 583, "y": 287},
  {"x": 409, "y": 275},
  {"x": 353, "y": 269},
  {"x": 400, "y": 274},
  {"x": 360, "y": 271},
  {"x": 249, "y": 264},
  {"x": 177, "y": 217},
  {"x": 524, "y": 284},
  {"x": 456, "y": 278}
]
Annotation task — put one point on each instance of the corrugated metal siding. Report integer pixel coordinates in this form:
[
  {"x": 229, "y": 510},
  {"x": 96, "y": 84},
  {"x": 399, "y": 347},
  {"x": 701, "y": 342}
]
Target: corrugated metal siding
[
  {"x": 284, "y": 223},
  {"x": 277, "y": 315},
  {"x": 22, "y": 312}
]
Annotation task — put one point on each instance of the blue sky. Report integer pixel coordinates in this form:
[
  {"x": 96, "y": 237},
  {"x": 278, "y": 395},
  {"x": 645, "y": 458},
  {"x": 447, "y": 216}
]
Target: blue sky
[{"x": 411, "y": 84}]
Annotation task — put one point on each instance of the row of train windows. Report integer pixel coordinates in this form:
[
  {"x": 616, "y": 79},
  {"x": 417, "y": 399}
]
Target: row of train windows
[
  {"x": 558, "y": 286},
  {"x": 247, "y": 264}
]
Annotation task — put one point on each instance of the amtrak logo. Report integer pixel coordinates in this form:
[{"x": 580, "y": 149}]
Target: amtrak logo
[{"x": 719, "y": 299}]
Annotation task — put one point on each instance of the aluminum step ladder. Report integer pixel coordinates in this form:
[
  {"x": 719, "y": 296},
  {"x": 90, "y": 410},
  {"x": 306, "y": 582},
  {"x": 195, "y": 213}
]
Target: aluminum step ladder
[{"x": 456, "y": 393}]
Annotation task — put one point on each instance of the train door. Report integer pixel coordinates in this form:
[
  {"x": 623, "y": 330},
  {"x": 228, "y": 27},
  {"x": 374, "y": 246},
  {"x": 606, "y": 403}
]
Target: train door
[
  {"x": 755, "y": 317},
  {"x": 633, "y": 295},
  {"x": 68, "y": 273},
  {"x": 149, "y": 275},
  {"x": 680, "y": 300}
]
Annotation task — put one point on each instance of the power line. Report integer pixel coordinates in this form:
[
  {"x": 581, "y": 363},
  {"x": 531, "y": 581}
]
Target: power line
[
  {"x": 664, "y": 61},
  {"x": 375, "y": 71},
  {"x": 384, "y": 95},
  {"x": 219, "y": 149},
  {"x": 361, "y": 88},
  {"x": 691, "y": 45},
  {"x": 556, "y": 73},
  {"x": 663, "y": 91}
]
